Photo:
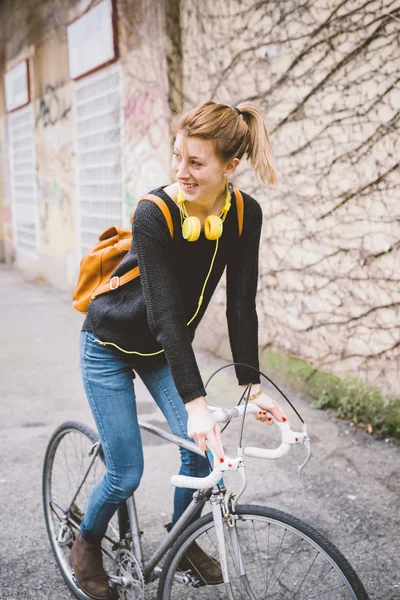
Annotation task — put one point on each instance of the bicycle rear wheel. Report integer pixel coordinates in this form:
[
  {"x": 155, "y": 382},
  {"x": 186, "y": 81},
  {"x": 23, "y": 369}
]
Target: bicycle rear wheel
[
  {"x": 72, "y": 466},
  {"x": 283, "y": 558}
]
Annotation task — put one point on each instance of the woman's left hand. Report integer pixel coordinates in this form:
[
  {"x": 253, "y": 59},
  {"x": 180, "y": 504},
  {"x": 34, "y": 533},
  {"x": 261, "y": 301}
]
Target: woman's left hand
[{"x": 269, "y": 407}]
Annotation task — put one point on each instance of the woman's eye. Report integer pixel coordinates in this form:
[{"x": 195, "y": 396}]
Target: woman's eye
[{"x": 196, "y": 164}]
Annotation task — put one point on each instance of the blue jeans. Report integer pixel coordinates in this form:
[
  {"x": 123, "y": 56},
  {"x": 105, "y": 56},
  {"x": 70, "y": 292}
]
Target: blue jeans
[{"x": 108, "y": 381}]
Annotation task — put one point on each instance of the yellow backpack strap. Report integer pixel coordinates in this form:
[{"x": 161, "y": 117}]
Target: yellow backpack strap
[
  {"x": 240, "y": 209},
  {"x": 115, "y": 282},
  {"x": 164, "y": 209}
]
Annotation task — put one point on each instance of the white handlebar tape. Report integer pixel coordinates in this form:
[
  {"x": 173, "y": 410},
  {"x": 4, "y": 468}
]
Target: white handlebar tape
[
  {"x": 289, "y": 438},
  {"x": 265, "y": 453},
  {"x": 203, "y": 483},
  {"x": 196, "y": 483}
]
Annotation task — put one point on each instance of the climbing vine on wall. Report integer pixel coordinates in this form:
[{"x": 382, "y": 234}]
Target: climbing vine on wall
[{"x": 326, "y": 76}]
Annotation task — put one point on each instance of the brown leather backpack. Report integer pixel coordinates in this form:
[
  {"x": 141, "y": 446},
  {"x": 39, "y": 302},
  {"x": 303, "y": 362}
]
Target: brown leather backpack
[{"x": 100, "y": 262}]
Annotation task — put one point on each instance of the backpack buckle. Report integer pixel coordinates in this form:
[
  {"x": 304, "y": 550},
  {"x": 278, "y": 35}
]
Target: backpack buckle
[{"x": 112, "y": 286}]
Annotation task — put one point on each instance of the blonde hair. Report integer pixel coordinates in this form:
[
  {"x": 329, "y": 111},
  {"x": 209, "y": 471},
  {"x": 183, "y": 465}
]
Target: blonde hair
[{"x": 235, "y": 134}]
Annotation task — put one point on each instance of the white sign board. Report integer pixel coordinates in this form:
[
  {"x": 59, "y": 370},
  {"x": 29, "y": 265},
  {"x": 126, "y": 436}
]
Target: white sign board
[
  {"x": 16, "y": 85},
  {"x": 91, "y": 40}
]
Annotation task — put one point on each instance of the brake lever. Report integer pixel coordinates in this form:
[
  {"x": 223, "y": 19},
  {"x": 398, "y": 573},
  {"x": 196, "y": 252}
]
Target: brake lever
[
  {"x": 307, "y": 445},
  {"x": 242, "y": 473}
]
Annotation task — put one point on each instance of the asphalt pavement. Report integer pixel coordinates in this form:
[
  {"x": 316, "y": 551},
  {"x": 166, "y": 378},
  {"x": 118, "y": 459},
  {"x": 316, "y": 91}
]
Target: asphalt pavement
[{"x": 349, "y": 490}]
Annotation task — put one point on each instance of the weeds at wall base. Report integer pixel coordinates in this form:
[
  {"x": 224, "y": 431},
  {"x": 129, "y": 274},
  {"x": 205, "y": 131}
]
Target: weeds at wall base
[{"x": 348, "y": 397}]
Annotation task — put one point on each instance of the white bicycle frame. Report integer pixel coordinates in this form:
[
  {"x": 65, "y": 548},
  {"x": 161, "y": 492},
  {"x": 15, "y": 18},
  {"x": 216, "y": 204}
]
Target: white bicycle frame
[{"x": 211, "y": 488}]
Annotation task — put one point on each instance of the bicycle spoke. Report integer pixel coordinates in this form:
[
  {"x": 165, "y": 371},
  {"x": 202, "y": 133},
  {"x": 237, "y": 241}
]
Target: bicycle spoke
[
  {"x": 317, "y": 584},
  {"x": 276, "y": 560},
  {"x": 52, "y": 505},
  {"x": 326, "y": 592},
  {"x": 212, "y": 542},
  {"x": 259, "y": 554},
  {"x": 244, "y": 578},
  {"x": 234, "y": 561},
  {"x": 287, "y": 564},
  {"x": 279, "y": 563},
  {"x": 67, "y": 469},
  {"x": 306, "y": 575},
  {"x": 69, "y": 475},
  {"x": 231, "y": 554}
]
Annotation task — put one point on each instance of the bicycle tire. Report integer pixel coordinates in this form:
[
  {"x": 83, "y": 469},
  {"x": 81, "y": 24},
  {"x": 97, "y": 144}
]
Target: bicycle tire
[
  {"x": 276, "y": 583},
  {"x": 67, "y": 450}
]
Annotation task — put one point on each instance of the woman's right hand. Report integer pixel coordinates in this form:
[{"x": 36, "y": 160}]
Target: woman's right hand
[
  {"x": 269, "y": 407},
  {"x": 203, "y": 428}
]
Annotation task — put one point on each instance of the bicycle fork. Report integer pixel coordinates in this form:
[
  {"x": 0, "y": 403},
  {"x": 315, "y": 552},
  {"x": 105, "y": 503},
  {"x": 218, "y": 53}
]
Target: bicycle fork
[{"x": 217, "y": 511}]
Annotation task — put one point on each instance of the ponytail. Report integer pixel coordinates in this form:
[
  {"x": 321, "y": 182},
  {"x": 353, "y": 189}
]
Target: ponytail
[
  {"x": 257, "y": 144},
  {"x": 237, "y": 131}
]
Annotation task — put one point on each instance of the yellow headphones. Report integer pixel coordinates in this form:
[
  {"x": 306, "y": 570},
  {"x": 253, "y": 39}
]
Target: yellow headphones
[
  {"x": 191, "y": 228},
  {"x": 213, "y": 226}
]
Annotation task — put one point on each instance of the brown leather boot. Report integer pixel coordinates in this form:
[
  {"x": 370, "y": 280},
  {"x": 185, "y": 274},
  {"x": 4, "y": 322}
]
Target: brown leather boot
[
  {"x": 206, "y": 568},
  {"x": 86, "y": 559}
]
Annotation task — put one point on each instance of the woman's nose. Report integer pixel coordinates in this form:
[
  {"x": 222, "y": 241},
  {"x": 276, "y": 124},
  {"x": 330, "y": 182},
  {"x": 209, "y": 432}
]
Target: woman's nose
[{"x": 182, "y": 170}]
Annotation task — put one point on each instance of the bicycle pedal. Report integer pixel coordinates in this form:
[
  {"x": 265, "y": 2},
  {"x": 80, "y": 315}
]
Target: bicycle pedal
[{"x": 193, "y": 580}]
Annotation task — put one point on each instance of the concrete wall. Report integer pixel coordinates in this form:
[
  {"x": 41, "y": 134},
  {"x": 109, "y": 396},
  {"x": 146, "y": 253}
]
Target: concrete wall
[
  {"x": 324, "y": 76},
  {"x": 145, "y": 148},
  {"x": 146, "y": 113}
]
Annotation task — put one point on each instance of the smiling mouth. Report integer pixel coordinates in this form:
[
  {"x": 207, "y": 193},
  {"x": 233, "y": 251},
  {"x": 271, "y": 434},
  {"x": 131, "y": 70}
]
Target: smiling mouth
[{"x": 188, "y": 186}]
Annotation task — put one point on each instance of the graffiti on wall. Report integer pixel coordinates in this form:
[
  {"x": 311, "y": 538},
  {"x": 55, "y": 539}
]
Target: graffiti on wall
[
  {"x": 6, "y": 216},
  {"x": 55, "y": 205},
  {"x": 146, "y": 148},
  {"x": 53, "y": 107},
  {"x": 55, "y": 161},
  {"x": 146, "y": 117},
  {"x": 8, "y": 233},
  {"x": 55, "y": 184}
]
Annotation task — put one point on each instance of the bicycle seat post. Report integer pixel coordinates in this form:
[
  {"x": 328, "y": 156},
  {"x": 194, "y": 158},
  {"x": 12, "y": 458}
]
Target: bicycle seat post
[{"x": 134, "y": 522}]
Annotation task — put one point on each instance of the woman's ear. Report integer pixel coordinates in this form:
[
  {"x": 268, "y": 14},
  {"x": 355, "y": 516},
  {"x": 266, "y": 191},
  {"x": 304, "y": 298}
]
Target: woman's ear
[{"x": 231, "y": 166}]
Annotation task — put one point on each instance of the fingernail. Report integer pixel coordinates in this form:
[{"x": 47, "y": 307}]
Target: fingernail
[
  {"x": 283, "y": 419},
  {"x": 221, "y": 460}
]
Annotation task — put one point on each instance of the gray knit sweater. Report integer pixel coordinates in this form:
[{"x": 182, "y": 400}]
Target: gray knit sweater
[{"x": 151, "y": 312}]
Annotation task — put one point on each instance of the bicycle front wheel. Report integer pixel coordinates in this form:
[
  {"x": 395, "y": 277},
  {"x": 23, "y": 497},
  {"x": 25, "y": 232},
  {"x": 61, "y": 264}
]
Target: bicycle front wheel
[
  {"x": 72, "y": 466},
  {"x": 271, "y": 556}
]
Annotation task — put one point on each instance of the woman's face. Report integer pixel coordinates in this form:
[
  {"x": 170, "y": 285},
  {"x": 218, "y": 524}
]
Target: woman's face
[{"x": 199, "y": 171}]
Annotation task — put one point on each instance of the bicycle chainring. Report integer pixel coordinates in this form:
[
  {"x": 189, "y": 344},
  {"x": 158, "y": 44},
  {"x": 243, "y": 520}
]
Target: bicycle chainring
[{"x": 130, "y": 571}]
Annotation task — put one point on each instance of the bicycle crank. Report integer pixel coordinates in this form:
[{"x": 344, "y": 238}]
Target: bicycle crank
[{"x": 128, "y": 577}]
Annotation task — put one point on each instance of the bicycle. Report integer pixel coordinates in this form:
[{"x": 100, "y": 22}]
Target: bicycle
[{"x": 264, "y": 553}]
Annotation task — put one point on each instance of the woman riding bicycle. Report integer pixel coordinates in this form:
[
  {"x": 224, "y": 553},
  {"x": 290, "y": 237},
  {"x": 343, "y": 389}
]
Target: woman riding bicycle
[{"x": 147, "y": 326}]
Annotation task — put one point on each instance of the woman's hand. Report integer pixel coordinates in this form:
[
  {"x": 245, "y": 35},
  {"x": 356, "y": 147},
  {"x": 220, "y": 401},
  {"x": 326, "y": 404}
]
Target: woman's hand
[
  {"x": 203, "y": 427},
  {"x": 268, "y": 407}
]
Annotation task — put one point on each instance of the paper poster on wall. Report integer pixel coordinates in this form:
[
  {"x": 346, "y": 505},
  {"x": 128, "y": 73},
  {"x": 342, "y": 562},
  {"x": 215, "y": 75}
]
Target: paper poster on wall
[
  {"x": 91, "y": 40},
  {"x": 16, "y": 85}
]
